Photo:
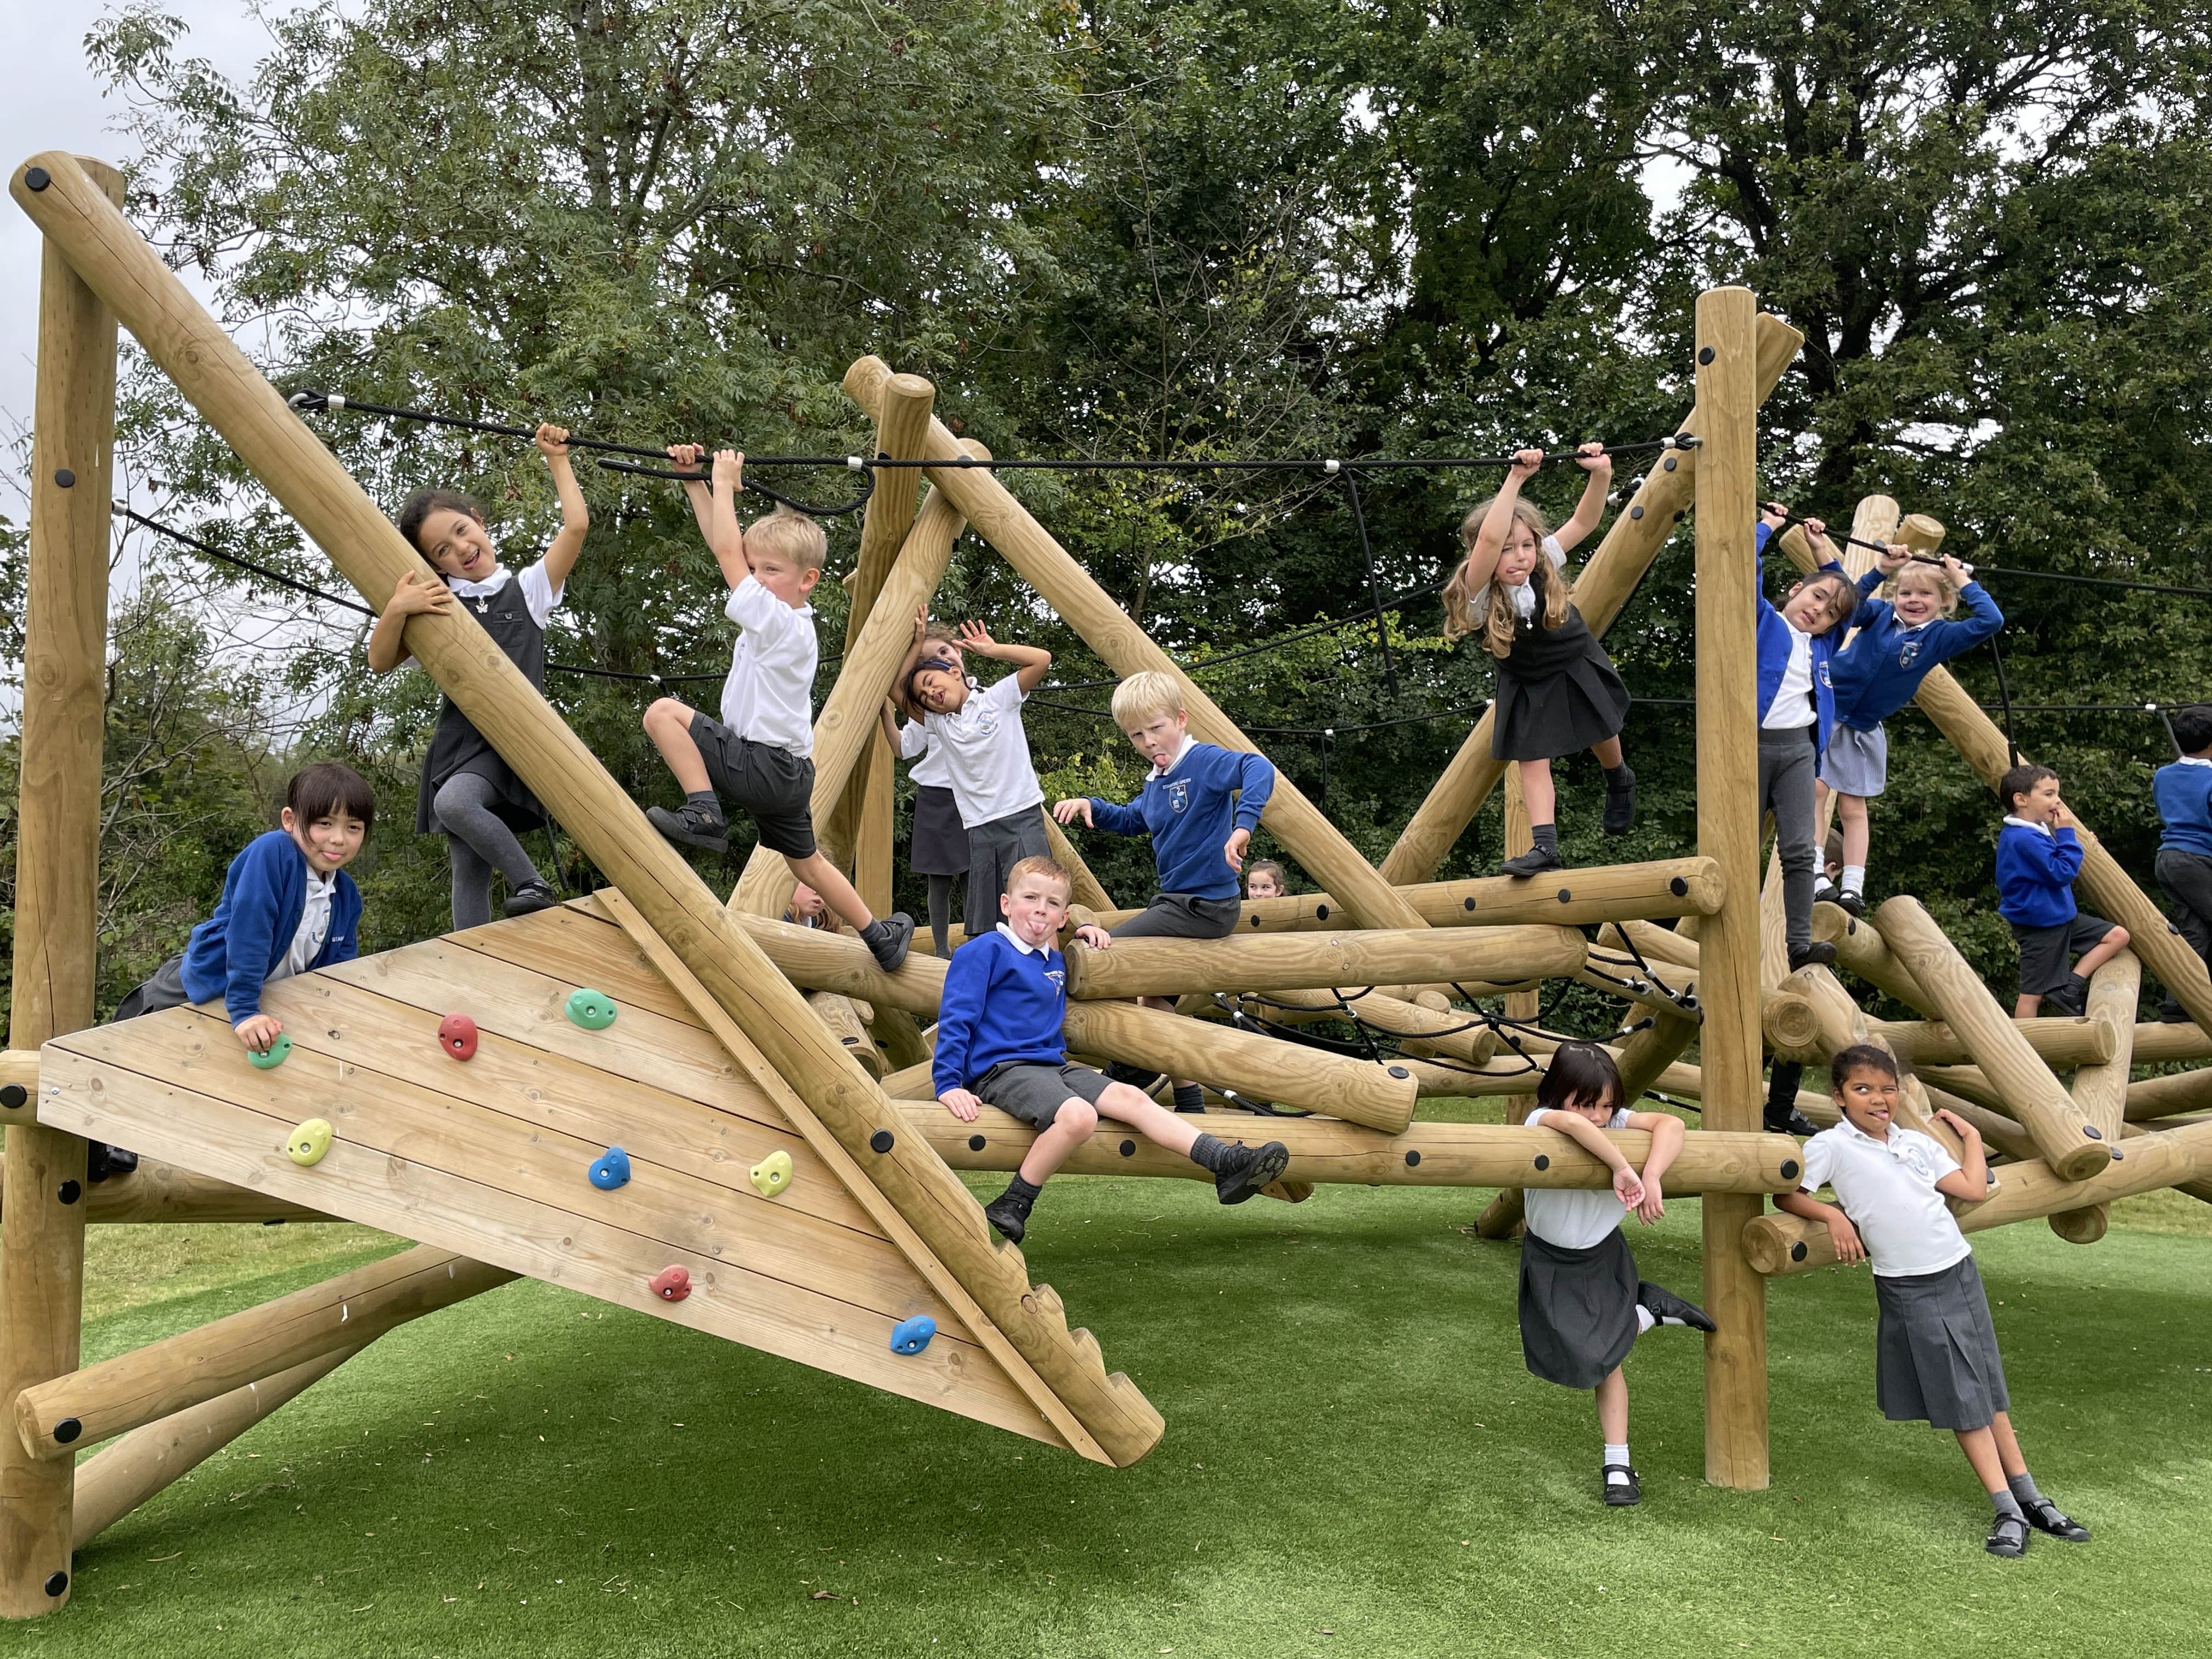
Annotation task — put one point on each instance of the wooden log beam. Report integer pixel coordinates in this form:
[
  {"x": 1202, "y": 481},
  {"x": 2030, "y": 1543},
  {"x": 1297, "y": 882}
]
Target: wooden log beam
[
  {"x": 2062, "y": 1042},
  {"x": 1171, "y": 967},
  {"x": 2169, "y": 1096},
  {"x": 1069, "y": 589},
  {"x": 118, "y": 1479},
  {"x": 1600, "y": 591},
  {"x": 2075, "y": 1147},
  {"x": 163, "y": 1193},
  {"x": 1860, "y": 948},
  {"x": 1425, "y": 1032},
  {"x": 247, "y": 413},
  {"x": 2157, "y": 1043},
  {"x": 56, "y": 1421},
  {"x": 1780, "y": 1243},
  {"x": 845, "y": 1024},
  {"x": 56, "y": 879},
  {"x": 1507, "y": 1214},
  {"x": 2100, "y": 1090}
]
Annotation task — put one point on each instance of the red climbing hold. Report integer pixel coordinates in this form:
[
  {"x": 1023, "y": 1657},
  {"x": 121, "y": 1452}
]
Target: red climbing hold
[
  {"x": 457, "y": 1034},
  {"x": 672, "y": 1283}
]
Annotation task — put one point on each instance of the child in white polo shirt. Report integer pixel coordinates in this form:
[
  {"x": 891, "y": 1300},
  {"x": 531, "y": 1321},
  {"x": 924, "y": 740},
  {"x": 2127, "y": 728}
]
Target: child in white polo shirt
[
  {"x": 760, "y": 754},
  {"x": 1935, "y": 1349}
]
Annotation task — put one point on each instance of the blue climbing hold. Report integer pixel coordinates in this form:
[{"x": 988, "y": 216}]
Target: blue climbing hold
[
  {"x": 610, "y": 1168},
  {"x": 911, "y": 1336}
]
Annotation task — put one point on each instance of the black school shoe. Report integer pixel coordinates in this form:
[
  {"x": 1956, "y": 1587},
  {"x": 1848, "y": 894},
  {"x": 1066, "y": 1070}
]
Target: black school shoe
[
  {"x": 691, "y": 826},
  {"x": 1669, "y": 1309},
  {"x": 1819, "y": 954},
  {"x": 2007, "y": 1538},
  {"x": 530, "y": 898},
  {"x": 889, "y": 947},
  {"x": 103, "y": 1161},
  {"x": 1621, "y": 804},
  {"x": 1620, "y": 1494},
  {"x": 2046, "y": 1516},
  {"x": 2072, "y": 998},
  {"x": 1786, "y": 1119},
  {"x": 1009, "y": 1216},
  {"x": 1251, "y": 1168},
  {"x": 1534, "y": 862}
]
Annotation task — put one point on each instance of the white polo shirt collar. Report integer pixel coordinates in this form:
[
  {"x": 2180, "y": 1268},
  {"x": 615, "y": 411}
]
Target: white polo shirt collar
[{"x": 1023, "y": 945}]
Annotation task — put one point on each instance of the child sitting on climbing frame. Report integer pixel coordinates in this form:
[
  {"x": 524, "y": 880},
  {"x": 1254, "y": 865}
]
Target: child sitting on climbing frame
[
  {"x": 1264, "y": 878},
  {"x": 937, "y": 850},
  {"x": 1935, "y": 1348},
  {"x": 2039, "y": 855},
  {"x": 998, "y": 1044},
  {"x": 2183, "y": 792},
  {"x": 468, "y": 791},
  {"x": 1200, "y": 805},
  {"x": 1582, "y": 1304},
  {"x": 1557, "y": 690},
  {"x": 987, "y": 753},
  {"x": 759, "y": 754},
  {"x": 1898, "y": 641}
]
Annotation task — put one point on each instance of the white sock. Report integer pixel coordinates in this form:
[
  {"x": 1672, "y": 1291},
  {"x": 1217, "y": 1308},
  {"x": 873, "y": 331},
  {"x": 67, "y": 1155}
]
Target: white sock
[
  {"x": 1855, "y": 879},
  {"x": 1645, "y": 1319},
  {"x": 1617, "y": 1454}
]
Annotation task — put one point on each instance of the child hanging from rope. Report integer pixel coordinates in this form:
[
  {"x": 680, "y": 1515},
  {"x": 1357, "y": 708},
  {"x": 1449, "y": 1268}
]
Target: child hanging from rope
[
  {"x": 2039, "y": 855},
  {"x": 1557, "y": 690},
  {"x": 1935, "y": 1348},
  {"x": 1582, "y": 1304},
  {"x": 1200, "y": 805},
  {"x": 998, "y": 1044},
  {"x": 986, "y": 750},
  {"x": 2183, "y": 793},
  {"x": 468, "y": 793},
  {"x": 938, "y": 849},
  {"x": 1898, "y": 641},
  {"x": 759, "y": 753}
]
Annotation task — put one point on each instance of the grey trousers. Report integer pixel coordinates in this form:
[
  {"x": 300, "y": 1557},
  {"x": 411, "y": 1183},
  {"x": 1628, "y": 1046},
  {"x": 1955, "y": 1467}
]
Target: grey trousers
[
  {"x": 1785, "y": 788},
  {"x": 2187, "y": 878}
]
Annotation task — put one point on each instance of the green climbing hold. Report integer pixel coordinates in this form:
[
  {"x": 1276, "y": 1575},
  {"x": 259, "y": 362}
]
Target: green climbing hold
[
  {"x": 593, "y": 1009},
  {"x": 309, "y": 1142},
  {"x": 274, "y": 1056},
  {"x": 773, "y": 1174}
]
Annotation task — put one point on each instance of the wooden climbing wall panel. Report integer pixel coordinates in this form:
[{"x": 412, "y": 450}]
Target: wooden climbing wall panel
[{"x": 487, "y": 1157}]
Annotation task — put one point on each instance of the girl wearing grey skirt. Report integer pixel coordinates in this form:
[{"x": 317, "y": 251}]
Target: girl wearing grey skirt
[
  {"x": 1935, "y": 1348},
  {"x": 1582, "y": 1304}
]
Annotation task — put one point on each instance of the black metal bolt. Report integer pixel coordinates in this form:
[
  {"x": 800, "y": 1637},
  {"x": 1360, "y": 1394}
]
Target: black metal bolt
[
  {"x": 1677, "y": 887},
  {"x": 1790, "y": 1168},
  {"x": 1705, "y": 354},
  {"x": 1797, "y": 1251},
  {"x": 38, "y": 178},
  {"x": 1543, "y": 1161},
  {"x": 64, "y": 477},
  {"x": 13, "y": 1095},
  {"x": 1412, "y": 1160},
  {"x": 880, "y": 1141},
  {"x": 70, "y": 1192},
  {"x": 1128, "y": 1148},
  {"x": 67, "y": 1431},
  {"x": 56, "y": 1583},
  {"x": 1635, "y": 512},
  {"x": 976, "y": 1143}
]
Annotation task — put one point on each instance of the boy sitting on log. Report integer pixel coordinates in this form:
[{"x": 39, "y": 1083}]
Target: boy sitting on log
[
  {"x": 1200, "y": 805},
  {"x": 998, "y": 1044}
]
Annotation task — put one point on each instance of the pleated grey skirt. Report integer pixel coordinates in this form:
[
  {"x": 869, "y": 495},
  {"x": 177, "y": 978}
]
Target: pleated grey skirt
[
  {"x": 1578, "y": 1310},
  {"x": 1935, "y": 1351}
]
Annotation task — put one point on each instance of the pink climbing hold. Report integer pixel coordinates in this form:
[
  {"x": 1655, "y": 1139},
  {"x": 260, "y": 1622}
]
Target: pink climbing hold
[
  {"x": 672, "y": 1283},
  {"x": 457, "y": 1036}
]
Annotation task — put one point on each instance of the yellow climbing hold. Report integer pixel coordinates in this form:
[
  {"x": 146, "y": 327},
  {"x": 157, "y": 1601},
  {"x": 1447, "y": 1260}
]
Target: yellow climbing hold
[
  {"x": 773, "y": 1174},
  {"x": 309, "y": 1141}
]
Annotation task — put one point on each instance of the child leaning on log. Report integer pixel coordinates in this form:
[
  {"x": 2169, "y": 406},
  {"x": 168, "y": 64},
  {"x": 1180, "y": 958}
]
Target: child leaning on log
[
  {"x": 1935, "y": 1347},
  {"x": 998, "y": 1044},
  {"x": 760, "y": 754},
  {"x": 2039, "y": 855},
  {"x": 1200, "y": 805},
  {"x": 2183, "y": 792},
  {"x": 1582, "y": 1304},
  {"x": 938, "y": 851},
  {"x": 288, "y": 907}
]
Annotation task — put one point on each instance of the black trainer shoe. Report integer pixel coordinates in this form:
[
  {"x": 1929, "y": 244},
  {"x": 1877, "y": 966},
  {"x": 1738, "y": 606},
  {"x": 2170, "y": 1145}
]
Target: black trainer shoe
[
  {"x": 1250, "y": 1168},
  {"x": 2007, "y": 1538},
  {"x": 2170, "y": 1012},
  {"x": 2046, "y": 1516},
  {"x": 1788, "y": 1121},
  {"x": 1008, "y": 1217},
  {"x": 1534, "y": 862},
  {"x": 2071, "y": 998},
  {"x": 530, "y": 898},
  {"x": 1620, "y": 1494},
  {"x": 1669, "y": 1309},
  {"x": 691, "y": 826},
  {"x": 889, "y": 947},
  {"x": 1621, "y": 804},
  {"x": 102, "y": 1161},
  {"x": 1819, "y": 954}
]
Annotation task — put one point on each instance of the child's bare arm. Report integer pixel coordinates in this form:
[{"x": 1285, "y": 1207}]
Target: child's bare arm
[
  {"x": 575, "y": 517},
  {"x": 1589, "y": 512},
  {"x": 1841, "y": 1233},
  {"x": 1481, "y": 562},
  {"x": 1970, "y": 1181},
  {"x": 692, "y": 458},
  {"x": 725, "y": 538},
  {"x": 1032, "y": 663},
  {"x": 416, "y": 594},
  {"x": 1666, "y": 1132}
]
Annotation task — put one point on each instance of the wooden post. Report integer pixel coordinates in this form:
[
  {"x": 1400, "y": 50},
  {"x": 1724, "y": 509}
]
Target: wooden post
[
  {"x": 1859, "y": 948},
  {"x": 57, "y": 882},
  {"x": 1600, "y": 591},
  {"x": 1502, "y": 1216},
  {"x": 1249, "y": 962},
  {"x": 2100, "y": 1091},
  {"x": 1729, "y": 1050},
  {"x": 251, "y": 416}
]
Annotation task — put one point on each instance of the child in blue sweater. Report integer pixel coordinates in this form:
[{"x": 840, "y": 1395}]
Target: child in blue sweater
[
  {"x": 2183, "y": 792},
  {"x": 1200, "y": 805},
  {"x": 2039, "y": 855},
  {"x": 998, "y": 1044},
  {"x": 1898, "y": 641}
]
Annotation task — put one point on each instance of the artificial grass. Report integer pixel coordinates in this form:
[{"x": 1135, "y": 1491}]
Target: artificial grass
[{"x": 1355, "y": 1462}]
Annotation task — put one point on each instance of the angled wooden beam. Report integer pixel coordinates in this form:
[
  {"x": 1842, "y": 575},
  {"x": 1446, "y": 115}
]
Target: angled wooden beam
[{"x": 2100, "y": 1090}]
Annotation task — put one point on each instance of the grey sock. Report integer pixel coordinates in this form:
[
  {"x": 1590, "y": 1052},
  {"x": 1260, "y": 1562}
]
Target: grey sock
[
  {"x": 1546, "y": 836},
  {"x": 875, "y": 931},
  {"x": 2005, "y": 1504},
  {"x": 1212, "y": 1152},
  {"x": 1189, "y": 1098},
  {"x": 1019, "y": 1193},
  {"x": 706, "y": 801},
  {"x": 2023, "y": 1488}
]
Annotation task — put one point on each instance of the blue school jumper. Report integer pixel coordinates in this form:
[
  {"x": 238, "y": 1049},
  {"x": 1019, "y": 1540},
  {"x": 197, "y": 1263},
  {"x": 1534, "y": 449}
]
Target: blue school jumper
[
  {"x": 265, "y": 894},
  {"x": 2183, "y": 792},
  {"x": 1188, "y": 812},
  {"x": 1881, "y": 669},
  {"x": 1000, "y": 1003},
  {"x": 1774, "y": 631},
  {"x": 2035, "y": 875}
]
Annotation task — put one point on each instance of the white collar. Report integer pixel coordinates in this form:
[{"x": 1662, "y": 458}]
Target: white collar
[
  {"x": 2029, "y": 823},
  {"x": 1890, "y": 1144},
  {"x": 484, "y": 589},
  {"x": 1525, "y": 600},
  {"x": 1023, "y": 945},
  {"x": 2193, "y": 759}
]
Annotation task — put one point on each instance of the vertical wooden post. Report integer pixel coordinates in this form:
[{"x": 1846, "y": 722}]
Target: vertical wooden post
[
  {"x": 1506, "y": 1210},
  {"x": 1728, "y": 831},
  {"x": 56, "y": 881}
]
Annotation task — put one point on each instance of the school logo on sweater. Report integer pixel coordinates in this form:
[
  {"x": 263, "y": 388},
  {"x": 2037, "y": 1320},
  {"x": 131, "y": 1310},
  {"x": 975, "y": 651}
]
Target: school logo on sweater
[
  {"x": 1059, "y": 979},
  {"x": 1822, "y": 671},
  {"x": 1906, "y": 652},
  {"x": 1178, "y": 795}
]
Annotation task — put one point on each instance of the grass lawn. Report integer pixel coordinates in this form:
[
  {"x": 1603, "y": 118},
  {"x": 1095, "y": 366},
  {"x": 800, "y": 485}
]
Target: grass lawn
[{"x": 1356, "y": 1462}]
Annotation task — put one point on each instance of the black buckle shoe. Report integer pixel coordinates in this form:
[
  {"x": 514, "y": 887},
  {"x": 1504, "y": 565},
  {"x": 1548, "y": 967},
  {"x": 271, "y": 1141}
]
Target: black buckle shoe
[
  {"x": 1251, "y": 1168},
  {"x": 1669, "y": 1309},
  {"x": 1819, "y": 954},
  {"x": 2046, "y": 1516},
  {"x": 1788, "y": 1121},
  {"x": 1620, "y": 1494},
  {"x": 530, "y": 898},
  {"x": 1534, "y": 862},
  {"x": 694, "y": 826},
  {"x": 2009, "y": 1538},
  {"x": 1850, "y": 904},
  {"x": 103, "y": 1161},
  {"x": 2072, "y": 998}
]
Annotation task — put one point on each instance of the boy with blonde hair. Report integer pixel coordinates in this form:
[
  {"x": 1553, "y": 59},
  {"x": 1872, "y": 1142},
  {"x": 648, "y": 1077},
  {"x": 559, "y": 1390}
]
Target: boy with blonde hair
[
  {"x": 760, "y": 754},
  {"x": 1200, "y": 805},
  {"x": 998, "y": 1044}
]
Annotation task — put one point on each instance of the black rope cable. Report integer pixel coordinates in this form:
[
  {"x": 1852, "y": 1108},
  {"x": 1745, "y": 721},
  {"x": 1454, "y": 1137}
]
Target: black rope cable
[
  {"x": 1374, "y": 584},
  {"x": 2004, "y": 698},
  {"x": 755, "y": 487},
  {"x": 2013, "y": 572}
]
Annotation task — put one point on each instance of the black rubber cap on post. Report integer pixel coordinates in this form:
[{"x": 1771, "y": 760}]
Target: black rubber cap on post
[
  {"x": 13, "y": 1095},
  {"x": 1677, "y": 887},
  {"x": 1797, "y": 1251},
  {"x": 38, "y": 178},
  {"x": 1543, "y": 1160},
  {"x": 2092, "y": 1132},
  {"x": 1790, "y": 1168},
  {"x": 70, "y": 1193},
  {"x": 1668, "y": 464},
  {"x": 56, "y": 1583},
  {"x": 880, "y": 1141},
  {"x": 976, "y": 1143},
  {"x": 1705, "y": 354},
  {"x": 1412, "y": 1160},
  {"x": 1321, "y": 913},
  {"x": 1470, "y": 904},
  {"x": 1400, "y": 1070},
  {"x": 1128, "y": 1148},
  {"x": 1635, "y": 512},
  {"x": 67, "y": 1431},
  {"x": 64, "y": 477}
]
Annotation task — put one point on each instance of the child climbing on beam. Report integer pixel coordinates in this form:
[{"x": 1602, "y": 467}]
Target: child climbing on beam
[
  {"x": 939, "y": 850},
  {"x": 998, "y": 1044},
  {"x": 1898, "y": 641},
  {"x": 2183, "y": 793},
  {"x": 1582, "y": 1304},
  {"x": 979, "y": 732},
  {"x": 2039, "y": 855},
  {"x": 1200, "y": 805},
  {"x": 760, "y": 754},
  {"x": 468, "y": 793},
  {"x": 1935, "y": 1348},
  {"x": 1557, "y": 690}
]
